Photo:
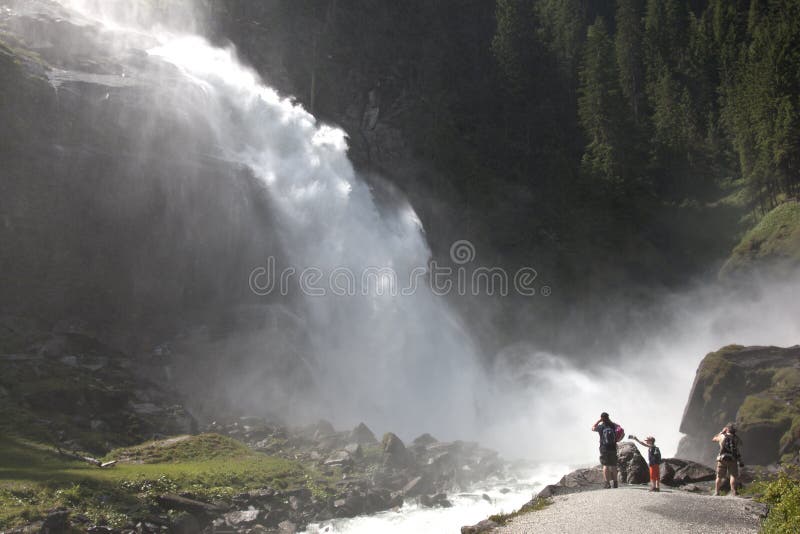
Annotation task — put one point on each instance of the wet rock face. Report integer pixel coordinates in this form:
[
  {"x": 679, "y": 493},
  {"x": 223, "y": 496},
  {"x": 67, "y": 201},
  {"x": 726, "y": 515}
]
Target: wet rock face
[
  {"x": 102, "y": 176},
  {"x": 756, "y": 387}
]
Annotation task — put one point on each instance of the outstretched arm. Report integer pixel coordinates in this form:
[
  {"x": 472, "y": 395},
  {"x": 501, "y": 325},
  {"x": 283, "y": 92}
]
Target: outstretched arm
[{"x": 640, "y": 442}]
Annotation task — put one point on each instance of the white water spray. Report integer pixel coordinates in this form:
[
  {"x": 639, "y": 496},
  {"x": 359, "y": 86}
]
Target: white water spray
[{"x": 399, "y": 362}]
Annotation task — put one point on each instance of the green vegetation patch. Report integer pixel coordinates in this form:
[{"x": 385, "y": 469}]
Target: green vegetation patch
[
  {"x": 714, "y": 369},
  {"x": 775, "y": 237},
  {"x": 35, "y": 478},
  {"x": 783, "y": 497},
  {"x": 183, "y": 449},
  {"x": 534, "y": 506},
  {"x": 757, "y": 409}
]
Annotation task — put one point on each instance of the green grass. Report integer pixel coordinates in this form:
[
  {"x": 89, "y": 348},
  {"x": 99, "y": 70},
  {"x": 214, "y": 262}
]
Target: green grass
[
  {"x": 775, "y": 237},
  {"x": 204, "y": 447},
  {"x": 534, "y": 506},
  {"x": 34, "y": 479}
]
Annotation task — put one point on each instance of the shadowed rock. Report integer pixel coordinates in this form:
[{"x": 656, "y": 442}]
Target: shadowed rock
[{"x": 363, "y": 435}]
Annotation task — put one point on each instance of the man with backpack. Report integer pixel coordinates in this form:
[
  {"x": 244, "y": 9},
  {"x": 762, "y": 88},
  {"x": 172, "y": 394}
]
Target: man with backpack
[
  {"x": 610, "y": 434},
  {"x": 729, "y": 459}
]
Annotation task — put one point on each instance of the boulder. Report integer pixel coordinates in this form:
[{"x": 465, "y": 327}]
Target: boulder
[
  {"x": 632, "y": 466},
  {"x": 754, "y": 386},
  {"x": 395, "y": 453},
  {"x": 583, "y": 478},
  {"x": 487, "y": 525},
  {"x": 691, "y": 472},
  {"x": 424, "y": 440},
  {"x": 354, "y": 449},
  {"x": 363, "y": 435},
  {"x": 56, "y": 522},
  {"x": 435, "y": 501},
  {"x": 241, "y": 517}
]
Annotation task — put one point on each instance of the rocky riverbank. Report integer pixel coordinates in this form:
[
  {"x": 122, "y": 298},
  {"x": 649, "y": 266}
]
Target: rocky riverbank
[{"x": 271, "y": 478}]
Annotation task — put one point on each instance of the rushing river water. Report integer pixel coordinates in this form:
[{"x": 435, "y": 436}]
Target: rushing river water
[{"x": 498, "y": 496}]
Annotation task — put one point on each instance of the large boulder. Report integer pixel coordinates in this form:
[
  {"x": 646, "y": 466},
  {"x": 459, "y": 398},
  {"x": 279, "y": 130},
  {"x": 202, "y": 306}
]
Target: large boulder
[
  {"x": 758, "y": 388},
  {"x": 679, "y": 472},
  {"x": 395, "y": 453},
  {"x": 363, "y": 435},
  {"x": 632, "y": 466}
]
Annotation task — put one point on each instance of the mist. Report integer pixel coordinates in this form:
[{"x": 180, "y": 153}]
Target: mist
[
  {"x": 402, "y": 363},
  {"x": 545, "y": 403}
]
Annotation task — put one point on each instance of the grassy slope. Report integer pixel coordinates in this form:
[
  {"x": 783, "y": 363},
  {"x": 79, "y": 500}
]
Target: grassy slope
[
  {"x": 34, "y": 478},
  {"x": 775, "y": 237}
]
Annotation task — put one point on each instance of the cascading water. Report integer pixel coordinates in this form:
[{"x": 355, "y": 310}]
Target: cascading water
[
  {"x": 398, "y": 361},
  {"x": 385, "y": 357}
]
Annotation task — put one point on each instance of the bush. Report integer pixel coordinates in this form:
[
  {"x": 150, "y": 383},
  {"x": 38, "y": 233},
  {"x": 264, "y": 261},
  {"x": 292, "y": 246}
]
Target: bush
[{"x": 783, "y": 497}]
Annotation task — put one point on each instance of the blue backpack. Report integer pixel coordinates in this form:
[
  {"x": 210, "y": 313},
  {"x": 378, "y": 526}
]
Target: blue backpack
[{"x": 608, "y": 436}]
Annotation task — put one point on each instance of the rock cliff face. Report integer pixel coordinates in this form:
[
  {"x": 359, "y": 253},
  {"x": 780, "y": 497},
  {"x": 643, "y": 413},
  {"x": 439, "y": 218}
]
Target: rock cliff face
[
  {"x": 759, "y": 389},
  {"x": 113, "y": 209}
]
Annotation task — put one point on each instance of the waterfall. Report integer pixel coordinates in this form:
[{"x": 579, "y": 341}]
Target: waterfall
[{"x": 400, "y": 361}]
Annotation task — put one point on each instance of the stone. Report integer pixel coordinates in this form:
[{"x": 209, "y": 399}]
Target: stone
[
  {"x": 417, "y": 486},
  {"x": 339, "y": 458},
  {"x": 362, "y": 435},
  {"x": 753, "y": 386},
  {"x": 487, "y": 525},
  {"x": 678, "y": 472},
  {"x": 435, "y": 501},
  {"x": 424, "y": 440},
  {"x": 322, "y": 428},
  {"x": 185, "y": 523},
  {"x": 395, "y": 453},
  {"x": 287, "y": 527},
  {"x": 241, "y": 517},
  {"x": 632, "y": 466},
  {"x": 56, "y": 522},
  {"x": 583, "y": 478},
  {"x": 176, "y": 502},
  {"x": 354, "y": 449}
]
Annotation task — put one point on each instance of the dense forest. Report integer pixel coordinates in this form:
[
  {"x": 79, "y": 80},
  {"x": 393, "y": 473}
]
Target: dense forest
[{"x": 634, "y": 140}]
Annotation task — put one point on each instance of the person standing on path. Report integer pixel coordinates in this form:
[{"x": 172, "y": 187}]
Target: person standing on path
[
  {"x": 608, "y": 448},
  {"x": 729, "y": 459}
]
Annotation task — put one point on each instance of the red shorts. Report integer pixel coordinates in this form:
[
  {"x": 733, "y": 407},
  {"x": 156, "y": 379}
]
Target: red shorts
[{"x": 655, "y": 472}]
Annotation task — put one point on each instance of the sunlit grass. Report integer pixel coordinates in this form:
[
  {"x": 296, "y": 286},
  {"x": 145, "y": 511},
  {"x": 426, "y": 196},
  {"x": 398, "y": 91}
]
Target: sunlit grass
[{"x": 35, "y": 478}]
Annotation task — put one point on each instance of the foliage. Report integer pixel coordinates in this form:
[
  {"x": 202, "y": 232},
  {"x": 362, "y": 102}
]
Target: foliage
[
  {"x": 783, "y": 497},
  {"x": 776, "y": 237},
  {"x": 533, "y": 506}
]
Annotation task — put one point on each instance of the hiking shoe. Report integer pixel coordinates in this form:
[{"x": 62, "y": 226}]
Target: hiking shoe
[
  {"x": 606, "y": 485},
  {"x": 715, "y": 494},
  {"x": 615, "y": 484}
]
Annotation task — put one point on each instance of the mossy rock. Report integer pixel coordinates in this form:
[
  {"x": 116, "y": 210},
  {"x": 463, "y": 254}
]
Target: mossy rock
[
  {"x": 774, "y": 240},
  {"x": 759, "y": 389}
]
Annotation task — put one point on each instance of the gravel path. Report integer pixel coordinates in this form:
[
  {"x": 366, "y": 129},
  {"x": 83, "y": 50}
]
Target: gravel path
[{"x": 633, "y": 509}]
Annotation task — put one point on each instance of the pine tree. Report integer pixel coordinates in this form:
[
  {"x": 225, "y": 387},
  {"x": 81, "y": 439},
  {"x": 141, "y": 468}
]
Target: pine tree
[
  {"x": 630, "y": 55},
  {"x": 601, "y": 109}
]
